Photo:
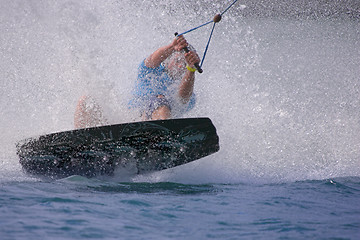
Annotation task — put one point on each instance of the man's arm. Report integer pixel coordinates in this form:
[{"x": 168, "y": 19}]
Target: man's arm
[
  {"x": 186, "y": 86},
  {"x": 156, "y": 58},
  {"x": 187, "y": 83}
]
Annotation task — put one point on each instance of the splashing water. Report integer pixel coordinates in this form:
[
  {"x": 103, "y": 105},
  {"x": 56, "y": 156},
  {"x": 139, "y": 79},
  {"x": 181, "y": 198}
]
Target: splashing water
[{"x": 283, "y": 92}]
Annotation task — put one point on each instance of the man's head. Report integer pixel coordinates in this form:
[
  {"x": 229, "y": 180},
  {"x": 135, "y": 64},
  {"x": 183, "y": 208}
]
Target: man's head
[{"x": 175, "y": 64}]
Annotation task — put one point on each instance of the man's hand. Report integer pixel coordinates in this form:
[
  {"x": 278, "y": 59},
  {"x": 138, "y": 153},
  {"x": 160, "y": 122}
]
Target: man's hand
[
  {"x": 191, "y": 58},
  {"x": 179, "y": 43}
]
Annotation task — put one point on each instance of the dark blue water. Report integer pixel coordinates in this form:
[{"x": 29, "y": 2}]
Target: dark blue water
[
  {"x": 79, "y": 208},
  {"x": 280, "y": 83}
]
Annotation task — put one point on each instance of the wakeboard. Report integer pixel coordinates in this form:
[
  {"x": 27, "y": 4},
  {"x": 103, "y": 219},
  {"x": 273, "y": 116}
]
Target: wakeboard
[{"x": 140, "y": 146}]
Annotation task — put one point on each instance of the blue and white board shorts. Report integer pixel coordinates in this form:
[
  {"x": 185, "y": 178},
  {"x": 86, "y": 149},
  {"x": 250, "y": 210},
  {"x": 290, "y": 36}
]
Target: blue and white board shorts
[{"x": 154, "y": 103}]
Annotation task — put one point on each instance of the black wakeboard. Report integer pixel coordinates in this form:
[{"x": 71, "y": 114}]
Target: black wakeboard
[{"x": 146, "y": 146}]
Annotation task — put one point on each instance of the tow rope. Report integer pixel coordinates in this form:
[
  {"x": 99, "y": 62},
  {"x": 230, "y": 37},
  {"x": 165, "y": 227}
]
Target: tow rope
[{"x": 215, "y": 20}]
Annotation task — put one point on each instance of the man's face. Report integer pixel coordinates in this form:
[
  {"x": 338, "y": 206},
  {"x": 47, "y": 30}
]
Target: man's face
[{"x": 176, "y": 64}]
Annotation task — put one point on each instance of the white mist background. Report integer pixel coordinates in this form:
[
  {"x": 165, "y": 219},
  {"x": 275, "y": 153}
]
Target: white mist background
[{"x": 282, "y": 92}]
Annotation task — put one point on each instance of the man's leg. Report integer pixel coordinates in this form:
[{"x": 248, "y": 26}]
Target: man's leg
[
  {"x": 158, "y": 109},
  {"x": 88, "y": 113},
  {"x": 161, "y": 113}
]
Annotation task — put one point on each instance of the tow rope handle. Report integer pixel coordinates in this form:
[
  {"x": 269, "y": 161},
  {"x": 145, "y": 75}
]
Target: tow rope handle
[{"x": 197, "y": 66}]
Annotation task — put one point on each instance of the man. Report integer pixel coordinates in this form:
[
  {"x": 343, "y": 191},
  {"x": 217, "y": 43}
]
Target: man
[
  {"x": 165, "y": 83},
  {"x": 164, "y": 87}
]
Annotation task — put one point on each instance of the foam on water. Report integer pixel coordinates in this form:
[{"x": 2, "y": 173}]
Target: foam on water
[{"x": 284, "y": 93}]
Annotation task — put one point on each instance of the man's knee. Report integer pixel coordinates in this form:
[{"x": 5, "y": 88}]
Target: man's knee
[{"x": 161, "y": 113}]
